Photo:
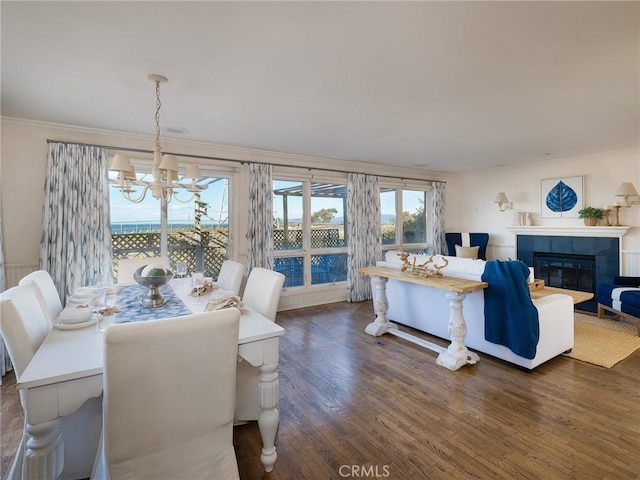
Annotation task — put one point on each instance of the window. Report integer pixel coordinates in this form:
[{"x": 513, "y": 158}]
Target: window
[
  {"x": 309, "y": 231},
  {"x": 197, "y": 230},
  {"x": 413, "y": 234}
]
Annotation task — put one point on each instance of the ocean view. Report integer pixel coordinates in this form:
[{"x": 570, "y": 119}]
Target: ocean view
[{"x": 146, "y": 227}]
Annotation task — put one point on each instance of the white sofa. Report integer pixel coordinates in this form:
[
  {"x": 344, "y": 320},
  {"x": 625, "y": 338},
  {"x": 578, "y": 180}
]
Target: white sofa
[{"x": 427, "y": 309}]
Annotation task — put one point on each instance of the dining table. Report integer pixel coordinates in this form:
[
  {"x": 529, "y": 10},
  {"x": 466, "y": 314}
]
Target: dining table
[{"x": 66, "y": 371}]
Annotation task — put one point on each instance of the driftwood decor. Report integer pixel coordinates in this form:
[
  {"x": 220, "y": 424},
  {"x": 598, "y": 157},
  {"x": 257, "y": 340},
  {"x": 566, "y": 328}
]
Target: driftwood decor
[{"x": 424, "y": 269}]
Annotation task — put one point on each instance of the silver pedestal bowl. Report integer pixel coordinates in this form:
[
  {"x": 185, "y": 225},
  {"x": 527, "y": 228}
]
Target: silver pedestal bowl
[{"x": 153, "y": 297}]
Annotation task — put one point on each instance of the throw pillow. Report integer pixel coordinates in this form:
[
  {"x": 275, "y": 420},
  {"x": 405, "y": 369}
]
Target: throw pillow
[{"x": 467, "y": 252}]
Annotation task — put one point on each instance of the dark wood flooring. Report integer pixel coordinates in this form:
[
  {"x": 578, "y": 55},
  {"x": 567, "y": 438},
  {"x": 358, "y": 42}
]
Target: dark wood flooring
[{"x": 354, "y": 406}]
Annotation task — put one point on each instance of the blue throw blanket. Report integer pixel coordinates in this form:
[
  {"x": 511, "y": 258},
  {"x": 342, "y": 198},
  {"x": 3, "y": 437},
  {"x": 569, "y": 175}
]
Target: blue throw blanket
[{"x": 511, "y": 319}]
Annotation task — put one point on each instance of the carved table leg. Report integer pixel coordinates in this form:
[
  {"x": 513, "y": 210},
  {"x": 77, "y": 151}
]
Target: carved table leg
[
  {"x": 44, "y": 452},
  {"x": 381, "y": 324},
  {"x": 457, "y": 355},
  {"x": 269, "y": 416}
]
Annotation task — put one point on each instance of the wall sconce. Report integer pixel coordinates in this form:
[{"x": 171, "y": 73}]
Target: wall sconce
[
  {"x": 503, "y": 202},
  {"x": 627, "y": 190}
]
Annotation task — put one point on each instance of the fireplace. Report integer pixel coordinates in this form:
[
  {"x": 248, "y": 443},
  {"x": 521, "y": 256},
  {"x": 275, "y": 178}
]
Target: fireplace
[
  {"x": 562, "y": 270},
  {"x": 573, "y": 262}
]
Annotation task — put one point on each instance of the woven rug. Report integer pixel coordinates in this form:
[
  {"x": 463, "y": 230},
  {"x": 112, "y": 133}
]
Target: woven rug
[{"x": 603, "y": 342}]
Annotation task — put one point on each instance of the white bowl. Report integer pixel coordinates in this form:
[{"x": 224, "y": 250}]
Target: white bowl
[{"x": 75, "y": 314}]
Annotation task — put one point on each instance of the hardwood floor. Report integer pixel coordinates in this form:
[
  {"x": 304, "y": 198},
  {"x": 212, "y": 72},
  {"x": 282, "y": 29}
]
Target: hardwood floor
[{"x": 354, "y": 406}]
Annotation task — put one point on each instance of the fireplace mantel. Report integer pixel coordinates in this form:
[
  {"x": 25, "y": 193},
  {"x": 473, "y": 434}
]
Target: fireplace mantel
[{"x": 604, "y": 231}]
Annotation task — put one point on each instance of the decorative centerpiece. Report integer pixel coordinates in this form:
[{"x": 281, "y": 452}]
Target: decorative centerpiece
[
  {"x": 424, "y": 269},
  {"x": 152, "y": 276}
]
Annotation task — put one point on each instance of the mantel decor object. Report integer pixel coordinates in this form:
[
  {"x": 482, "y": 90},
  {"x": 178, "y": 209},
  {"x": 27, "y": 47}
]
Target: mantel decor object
[{"x": 591, "y": 215}]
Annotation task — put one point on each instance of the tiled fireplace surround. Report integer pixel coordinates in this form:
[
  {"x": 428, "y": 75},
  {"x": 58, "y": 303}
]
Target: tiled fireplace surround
[{"x": 602, "y": 243}]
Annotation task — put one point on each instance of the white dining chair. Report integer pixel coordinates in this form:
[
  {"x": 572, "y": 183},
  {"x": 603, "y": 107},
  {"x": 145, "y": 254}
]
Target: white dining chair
[
  {"x": 24, "y": 327},
  {"x": 126, "y": 266},
  {"x": 230, "y": 276},
  {"x": 169, "y": 390},
  {"x": 46, "y": 292},
  {"x": 262, "y": 292}
]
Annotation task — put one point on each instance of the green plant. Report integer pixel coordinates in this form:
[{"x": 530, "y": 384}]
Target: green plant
[{"x": 591, "y": 212}]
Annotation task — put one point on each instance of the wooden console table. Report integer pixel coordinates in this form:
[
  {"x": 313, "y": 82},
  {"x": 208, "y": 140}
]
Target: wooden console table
[{"x": 457, "y": 354}]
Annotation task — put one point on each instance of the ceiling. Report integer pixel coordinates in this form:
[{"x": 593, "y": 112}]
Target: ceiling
[{"x": 442, "y": 86}]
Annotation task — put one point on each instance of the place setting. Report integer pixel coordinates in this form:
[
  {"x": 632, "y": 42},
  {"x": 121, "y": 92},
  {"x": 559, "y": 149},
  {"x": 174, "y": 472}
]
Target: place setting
[{"x": 87, "y": 306}]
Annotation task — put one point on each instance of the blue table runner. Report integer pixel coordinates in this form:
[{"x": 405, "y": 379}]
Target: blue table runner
[{"x": 131, "y": 309}]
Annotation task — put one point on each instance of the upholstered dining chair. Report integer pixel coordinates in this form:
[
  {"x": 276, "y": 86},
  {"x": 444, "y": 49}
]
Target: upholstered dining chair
[
  {"x": 169, "y": 390},
  {"x": 46, "y": 292},
  {"x": 126, "y": 266},
  {"x": 262, "y": 292},
  {"x": 24, "y": 327},
  {"x": 230, "y": 276}
]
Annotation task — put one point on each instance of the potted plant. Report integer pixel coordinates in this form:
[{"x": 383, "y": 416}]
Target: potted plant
[{"x": 591, "y": 215}]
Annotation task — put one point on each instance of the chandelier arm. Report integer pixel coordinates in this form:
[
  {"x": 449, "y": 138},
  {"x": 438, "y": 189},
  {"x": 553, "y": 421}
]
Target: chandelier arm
[
  {"x": 175, "y": 195},
  {"x": 127, "y": 194}
]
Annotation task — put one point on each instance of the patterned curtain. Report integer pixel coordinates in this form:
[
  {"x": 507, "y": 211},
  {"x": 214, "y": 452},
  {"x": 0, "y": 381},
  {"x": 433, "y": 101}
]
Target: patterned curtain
[
  {"x": 76, "y": 235},
  {"x": 260, "y": 226},
  {"x": 5, "y": 361},
  {"x": 363, "y": 228},
  {"x": 437, "y": 213}
]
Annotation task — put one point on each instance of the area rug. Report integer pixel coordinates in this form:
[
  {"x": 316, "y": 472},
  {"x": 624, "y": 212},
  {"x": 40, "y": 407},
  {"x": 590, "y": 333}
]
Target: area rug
[{"x": 603, "y": 342}]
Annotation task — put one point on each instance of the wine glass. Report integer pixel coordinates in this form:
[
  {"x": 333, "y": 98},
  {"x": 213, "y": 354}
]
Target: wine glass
[
  {"x": 97, "y": 302},
  {"x": 181, "y": 269},
  {"x": 197, "y": 279}
]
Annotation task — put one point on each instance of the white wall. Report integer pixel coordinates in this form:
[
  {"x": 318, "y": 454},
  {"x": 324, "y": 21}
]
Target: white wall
[{"x": 470, "y": 197}]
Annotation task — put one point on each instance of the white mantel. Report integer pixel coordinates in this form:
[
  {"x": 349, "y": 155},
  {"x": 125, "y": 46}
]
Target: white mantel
[{"x": 603, "y": 231}]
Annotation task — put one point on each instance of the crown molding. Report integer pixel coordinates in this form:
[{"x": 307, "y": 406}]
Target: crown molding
[{"x": 72, "y": 133}]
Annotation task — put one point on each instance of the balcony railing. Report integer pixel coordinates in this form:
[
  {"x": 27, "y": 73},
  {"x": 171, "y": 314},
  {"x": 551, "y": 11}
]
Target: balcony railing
[{"x": 205, "y": 252}]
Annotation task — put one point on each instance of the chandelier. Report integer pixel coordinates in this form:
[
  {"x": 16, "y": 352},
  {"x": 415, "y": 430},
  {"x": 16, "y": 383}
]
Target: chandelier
[{"x": 165, "y": 184}]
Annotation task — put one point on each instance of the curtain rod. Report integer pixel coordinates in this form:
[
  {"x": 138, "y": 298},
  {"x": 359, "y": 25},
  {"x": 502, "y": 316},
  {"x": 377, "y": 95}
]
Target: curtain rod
[{"x": 242, "y": 162}]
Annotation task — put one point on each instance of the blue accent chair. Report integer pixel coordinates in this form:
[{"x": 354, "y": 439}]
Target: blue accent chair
[
  {"x": 629, "y": 300},
  {"x": 475, "y": 239}
]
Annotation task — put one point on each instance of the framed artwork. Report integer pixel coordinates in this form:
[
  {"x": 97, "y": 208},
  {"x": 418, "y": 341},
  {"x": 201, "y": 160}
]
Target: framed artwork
[{"x": 561, "y": 197}]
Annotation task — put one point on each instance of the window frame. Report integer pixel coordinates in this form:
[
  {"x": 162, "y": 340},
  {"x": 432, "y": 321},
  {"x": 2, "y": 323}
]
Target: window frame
[
  {"x": 209, "y": 170},
  {"x": 399, "y": 188},
  {"x": 307, "y": 251}
]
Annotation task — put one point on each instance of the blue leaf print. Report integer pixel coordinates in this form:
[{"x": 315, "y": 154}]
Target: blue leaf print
[{"x": 561, "y": 198}]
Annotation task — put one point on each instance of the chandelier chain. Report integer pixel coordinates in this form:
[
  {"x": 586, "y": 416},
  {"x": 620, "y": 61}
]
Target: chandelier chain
[{"x": 158, "y": 105}]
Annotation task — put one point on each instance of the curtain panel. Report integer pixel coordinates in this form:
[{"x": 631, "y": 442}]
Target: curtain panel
[
  {"x": 364, "y": 233},
  {"x": 260, "y": 225},
  {"x": 5, "y": 361},
  {"x": 437, "y": 213},
  {"x": 75, "y": 247}
]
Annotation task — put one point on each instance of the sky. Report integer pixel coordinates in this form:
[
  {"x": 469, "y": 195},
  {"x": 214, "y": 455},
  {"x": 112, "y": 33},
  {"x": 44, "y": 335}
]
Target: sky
[{"x": 122, "y": 210}]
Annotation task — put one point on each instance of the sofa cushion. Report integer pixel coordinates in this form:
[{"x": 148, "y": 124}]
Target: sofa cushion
[
  {"x": 467, "y": 252},
  {"x": 631, "y": 297}
]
